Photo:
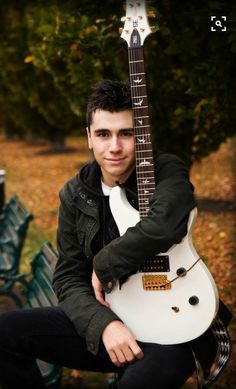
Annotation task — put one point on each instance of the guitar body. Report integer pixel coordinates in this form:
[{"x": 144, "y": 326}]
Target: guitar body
[{"x": 149, "y": 313}]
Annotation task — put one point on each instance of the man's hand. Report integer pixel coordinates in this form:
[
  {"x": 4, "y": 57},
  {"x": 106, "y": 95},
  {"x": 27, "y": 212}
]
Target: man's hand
[
  {"x": 120, "y": 343},
  {"x": 97, "y": 287}
]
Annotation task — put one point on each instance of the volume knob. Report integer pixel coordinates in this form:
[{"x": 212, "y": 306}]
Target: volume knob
[{"x": 193, "y": 300}]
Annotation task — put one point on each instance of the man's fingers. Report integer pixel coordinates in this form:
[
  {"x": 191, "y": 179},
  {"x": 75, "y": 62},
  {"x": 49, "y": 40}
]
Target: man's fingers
[
  {"x": 100, "y": 298},
  {"x": 114, "y": 359},
  {"x": 129, "y": 355},
  {"x": 97, "y": 287},
  {"x": 136, "y": 350}
]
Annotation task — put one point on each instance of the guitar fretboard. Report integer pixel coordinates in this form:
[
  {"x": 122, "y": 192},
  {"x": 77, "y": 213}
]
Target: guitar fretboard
[{"x": 142, "y": 130}]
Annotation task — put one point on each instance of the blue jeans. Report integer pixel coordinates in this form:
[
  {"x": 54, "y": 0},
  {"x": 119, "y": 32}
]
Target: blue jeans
[{"x": 48, "y": 334}]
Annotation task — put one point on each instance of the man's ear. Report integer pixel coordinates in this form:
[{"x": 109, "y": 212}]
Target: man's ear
[{"x": 89, "y": 138}]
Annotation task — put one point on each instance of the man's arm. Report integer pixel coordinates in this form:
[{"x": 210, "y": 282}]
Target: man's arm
[{"x": 72, "y": 280}]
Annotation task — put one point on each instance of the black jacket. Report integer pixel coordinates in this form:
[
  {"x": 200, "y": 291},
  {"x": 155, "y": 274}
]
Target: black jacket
[
  {"x": 87, "y": 238},
  {"x": 82, "y": 237}
]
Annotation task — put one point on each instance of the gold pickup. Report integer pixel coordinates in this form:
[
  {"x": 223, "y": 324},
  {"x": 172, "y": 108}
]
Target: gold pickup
[{"x": 155, "y": 282}]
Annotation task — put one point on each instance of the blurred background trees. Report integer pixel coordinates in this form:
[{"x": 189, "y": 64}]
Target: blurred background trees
[{"x": 51, "y": 53}]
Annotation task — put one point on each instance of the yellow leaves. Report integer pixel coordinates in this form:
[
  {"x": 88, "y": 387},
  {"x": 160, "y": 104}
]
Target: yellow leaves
[
  {"x": 200, "y": 104},
  {"x": 74, "y": 47},
  {"x": 222, "y": 234},
  {"x": 77, "y": 53},
  {"x": 29, "y": 58}
]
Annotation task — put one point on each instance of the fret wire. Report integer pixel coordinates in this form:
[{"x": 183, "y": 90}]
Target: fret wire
[
  {"x": 152, "y": 184},
  {"x": 136, "y": 61},
  {"x": 143, "y": 158},
  {"x": 144, "y": 151},
  {"x": 147, "y": 188},
  {"x": 149, "y": 171},
  {"x": 142, "y": 135},
  {"x": 137, "y": 127},
  {"x": 135, "y": 74},
  {"x": 145, "y": 185},
  {"x": 145, "y": 132},
  {"x": 150, "y": 178}
]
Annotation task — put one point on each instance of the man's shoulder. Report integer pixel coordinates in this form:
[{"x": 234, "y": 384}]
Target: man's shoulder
[
  {"x": 79, "y": 186},
  {"x": 162, "y": 158},
  {"x": 70, "y": 188}
]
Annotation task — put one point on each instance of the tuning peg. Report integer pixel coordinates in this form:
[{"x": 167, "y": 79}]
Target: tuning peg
[
  {"x": 120, "y": 30},
  {"x": 123, "y": 19}
]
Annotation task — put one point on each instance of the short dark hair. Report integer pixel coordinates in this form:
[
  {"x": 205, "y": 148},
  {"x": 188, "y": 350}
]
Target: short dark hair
[{"x": 108, "y": 95}]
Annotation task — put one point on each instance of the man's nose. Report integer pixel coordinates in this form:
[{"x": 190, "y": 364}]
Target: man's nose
[{"x": 115, "y": 144}]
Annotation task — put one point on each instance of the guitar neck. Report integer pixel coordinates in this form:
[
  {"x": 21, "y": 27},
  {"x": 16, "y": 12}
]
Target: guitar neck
[{"x": 142, "y": 129}]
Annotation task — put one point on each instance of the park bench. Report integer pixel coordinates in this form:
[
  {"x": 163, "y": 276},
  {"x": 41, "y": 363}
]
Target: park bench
[
  {"x": 36, "y": 291},
  {"x": 14, "y": 222}
]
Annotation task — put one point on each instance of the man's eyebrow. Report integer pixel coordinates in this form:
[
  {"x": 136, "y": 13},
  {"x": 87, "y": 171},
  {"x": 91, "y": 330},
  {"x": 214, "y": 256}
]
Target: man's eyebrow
[
  {"x": 107, "y": 129},
  {"x": 127, "y": 129},
  {"x": 100, "y": 130}
]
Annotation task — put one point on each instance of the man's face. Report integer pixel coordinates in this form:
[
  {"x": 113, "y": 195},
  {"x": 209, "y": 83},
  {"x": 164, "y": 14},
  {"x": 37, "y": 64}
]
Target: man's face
[{"x": 111, "y": 138}]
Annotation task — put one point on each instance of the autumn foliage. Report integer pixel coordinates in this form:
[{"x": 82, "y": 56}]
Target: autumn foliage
[{"x": 52, "y": 52}]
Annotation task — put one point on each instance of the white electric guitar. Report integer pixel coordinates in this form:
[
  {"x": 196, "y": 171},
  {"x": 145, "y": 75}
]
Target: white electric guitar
[{"x": 173, "y": 297}]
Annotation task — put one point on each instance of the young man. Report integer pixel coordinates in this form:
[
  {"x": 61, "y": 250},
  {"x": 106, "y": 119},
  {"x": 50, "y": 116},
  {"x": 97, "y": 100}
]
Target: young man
[{"x": 83, "y": 332}]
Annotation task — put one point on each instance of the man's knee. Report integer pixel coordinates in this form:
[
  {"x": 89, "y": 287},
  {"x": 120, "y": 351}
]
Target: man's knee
[{"x": 9, "y": 329}]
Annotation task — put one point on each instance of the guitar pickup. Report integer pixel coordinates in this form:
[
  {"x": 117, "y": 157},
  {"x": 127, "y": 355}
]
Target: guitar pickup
[{"x": 159, "y": 263}]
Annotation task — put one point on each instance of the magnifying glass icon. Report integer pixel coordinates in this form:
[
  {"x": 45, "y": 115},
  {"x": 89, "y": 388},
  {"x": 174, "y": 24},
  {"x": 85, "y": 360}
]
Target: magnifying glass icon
[{"x": 218, "y": 23}]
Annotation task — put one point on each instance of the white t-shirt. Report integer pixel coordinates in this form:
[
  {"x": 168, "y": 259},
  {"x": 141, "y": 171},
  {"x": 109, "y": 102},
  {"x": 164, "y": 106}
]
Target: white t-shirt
[{"x": 106, "y": 189}]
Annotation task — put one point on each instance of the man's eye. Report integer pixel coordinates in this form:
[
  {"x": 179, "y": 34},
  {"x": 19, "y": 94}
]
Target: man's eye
[
  {"x": 102, "y": 134},
  {"x": 128, "y": 133}
]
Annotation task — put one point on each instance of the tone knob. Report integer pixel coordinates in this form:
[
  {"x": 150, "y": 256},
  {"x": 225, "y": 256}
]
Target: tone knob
[
  {"x": 193, "y": 300},
  {"x": 181, "y": 272}
]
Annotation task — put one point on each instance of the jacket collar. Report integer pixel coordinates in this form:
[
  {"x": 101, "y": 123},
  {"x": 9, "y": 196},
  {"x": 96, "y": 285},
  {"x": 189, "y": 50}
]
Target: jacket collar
[{"x": 90, "y": 179}]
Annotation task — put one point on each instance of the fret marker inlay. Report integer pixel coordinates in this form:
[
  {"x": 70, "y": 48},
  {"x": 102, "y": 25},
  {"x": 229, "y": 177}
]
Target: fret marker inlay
[
  {"x": 141, "y": 140},
  {"x": 138, "y": 80},
  {"x": 140, "y": 102},
  {"x": 144, "y": 163}
]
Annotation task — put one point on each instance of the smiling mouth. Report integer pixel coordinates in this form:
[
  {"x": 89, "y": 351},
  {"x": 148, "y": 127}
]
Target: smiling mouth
[{"x": 115, "y": 160}]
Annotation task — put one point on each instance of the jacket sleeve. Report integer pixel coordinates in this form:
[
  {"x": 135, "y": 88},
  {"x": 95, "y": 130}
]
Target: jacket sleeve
[
  {"x": 72, "y": 280},
  {"x": 165, "y": 224}
]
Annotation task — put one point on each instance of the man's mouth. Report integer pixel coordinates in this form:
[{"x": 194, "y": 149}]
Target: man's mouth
[{"x": 115, "y": 160}]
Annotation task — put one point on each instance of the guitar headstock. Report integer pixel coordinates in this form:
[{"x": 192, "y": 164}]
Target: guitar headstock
[{"x": 136, "y": 26}]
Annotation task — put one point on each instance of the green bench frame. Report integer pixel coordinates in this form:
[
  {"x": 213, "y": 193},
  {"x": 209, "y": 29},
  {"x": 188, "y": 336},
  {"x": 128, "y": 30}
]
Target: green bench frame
[
  {"x": 36, "y": 291},
  {"x": 14, "y": 223}
]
